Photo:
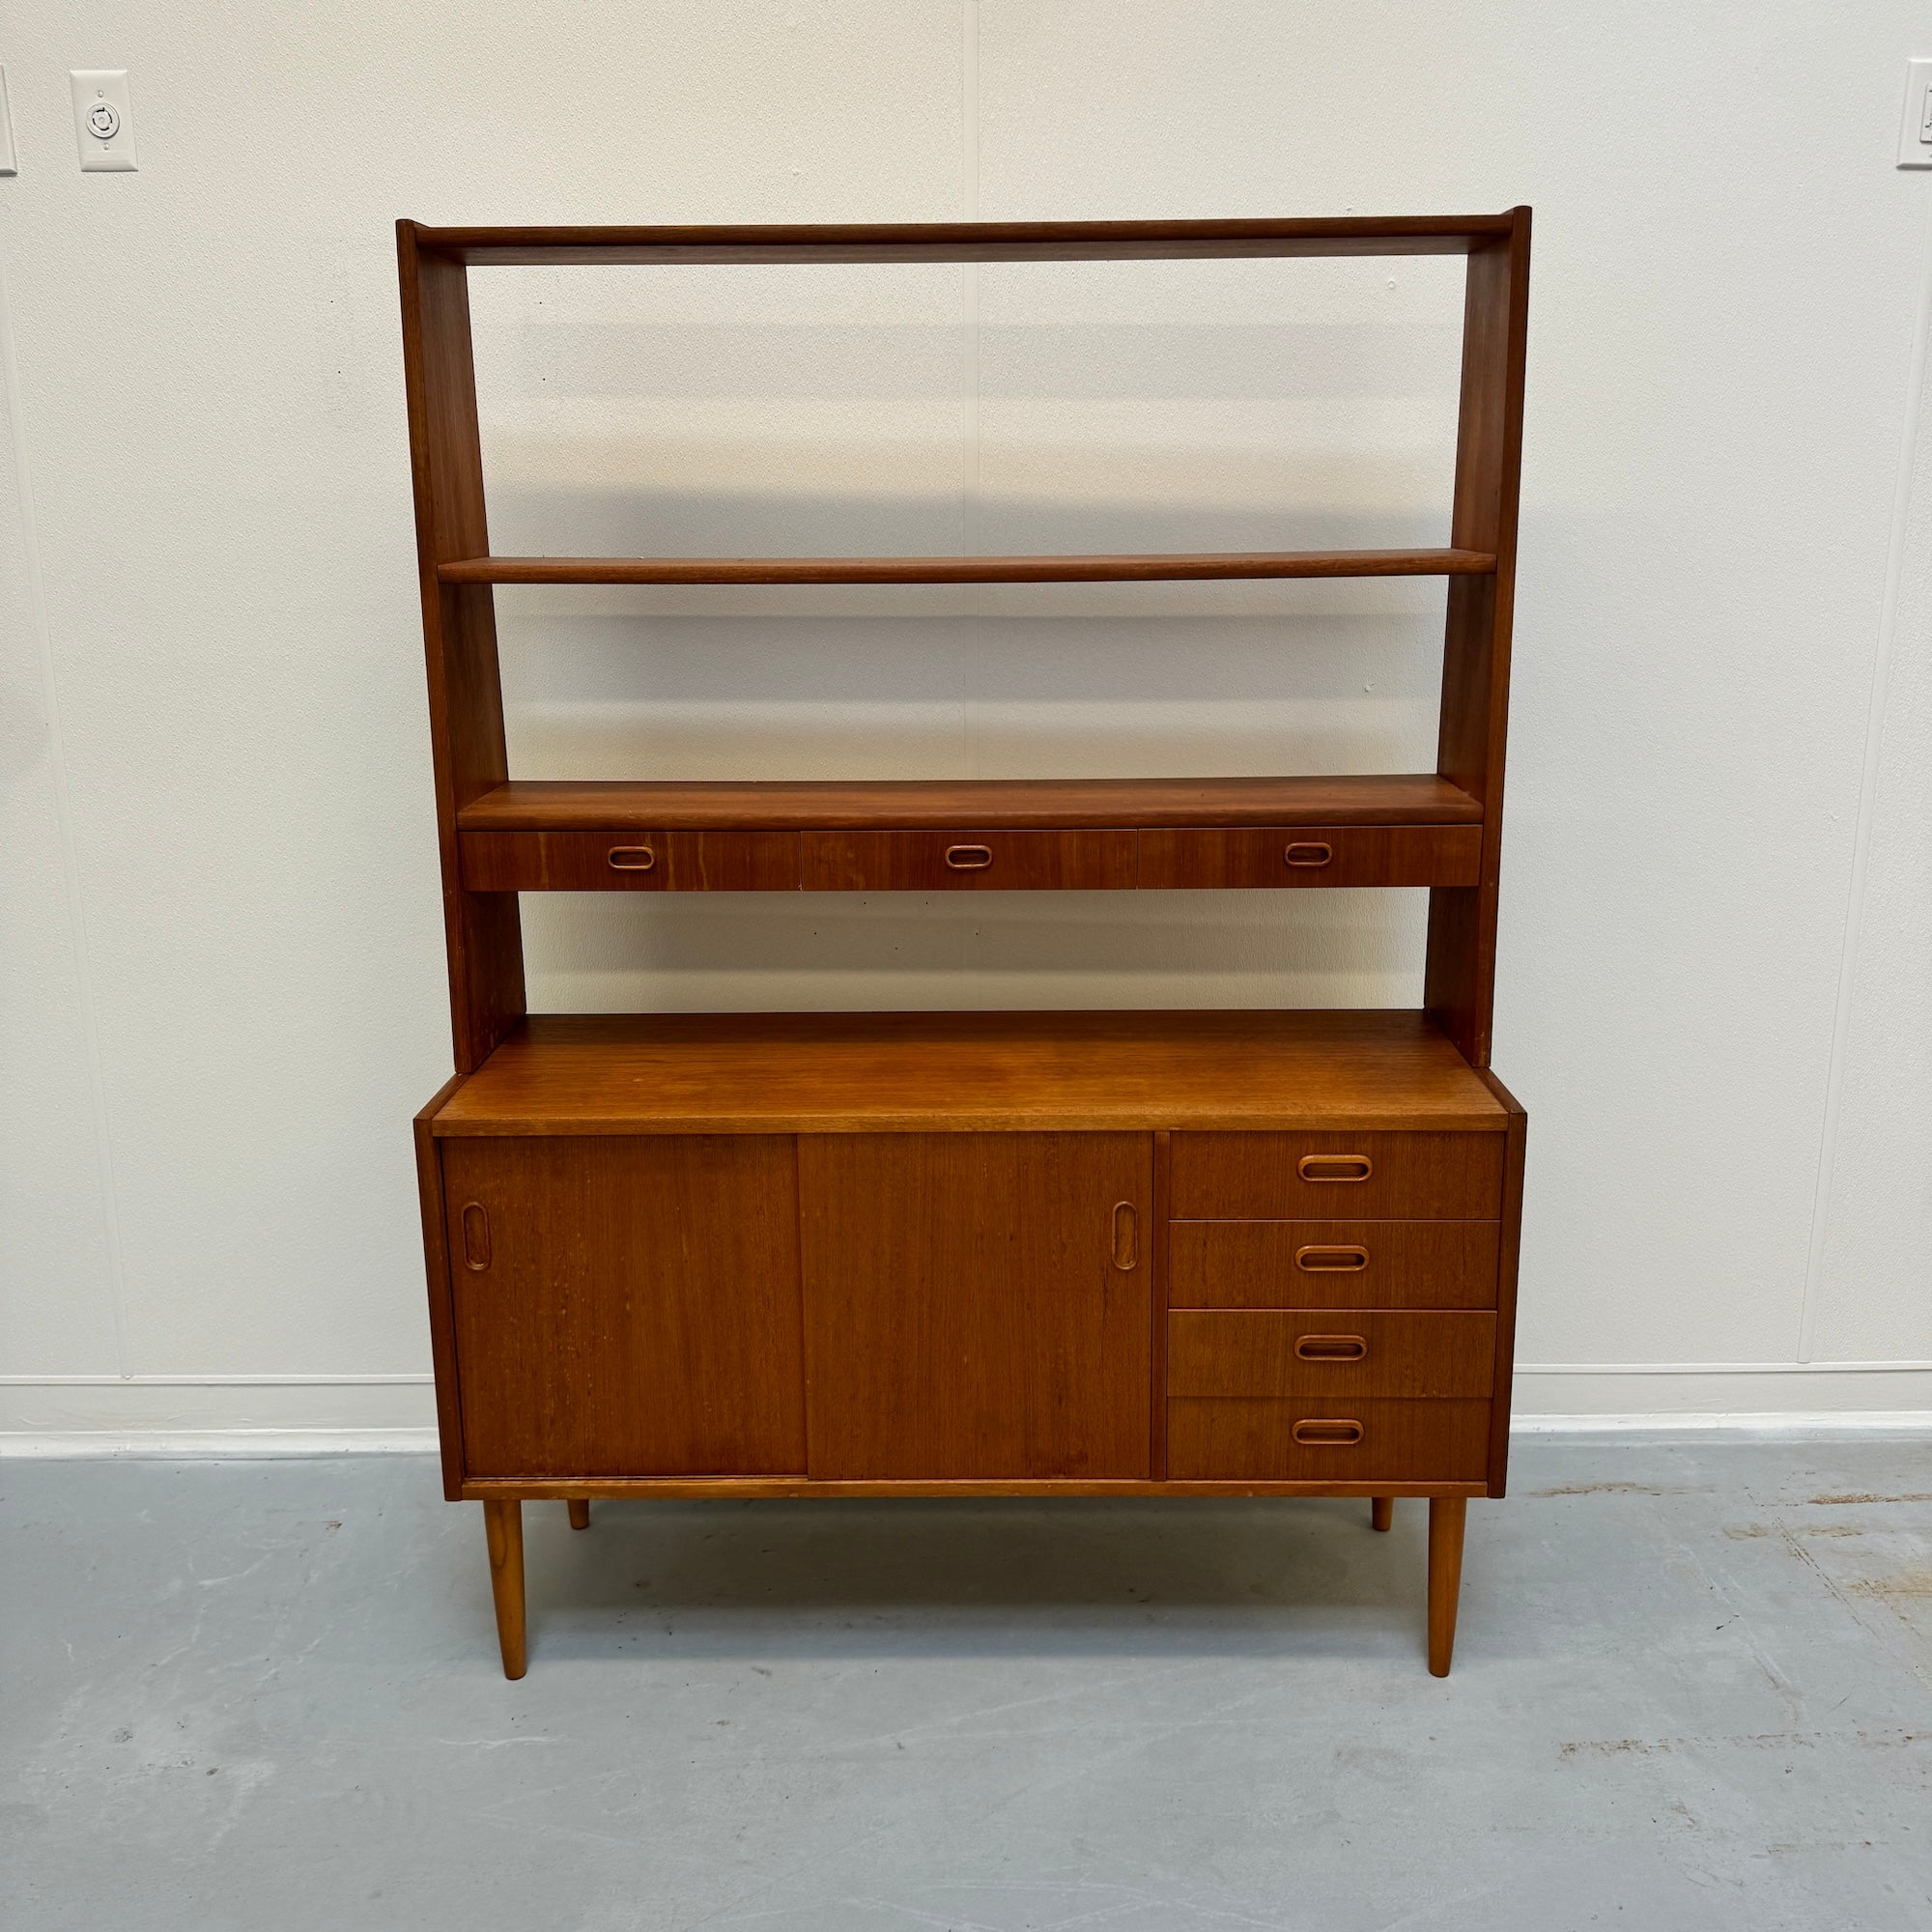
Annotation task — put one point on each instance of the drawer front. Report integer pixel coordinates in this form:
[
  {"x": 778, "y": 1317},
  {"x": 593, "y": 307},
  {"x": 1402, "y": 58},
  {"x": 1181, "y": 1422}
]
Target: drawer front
[
  {"x": 1329, "y": 1353},
  {"x": 1256, "y": 1440},
  {"x": 630, "y": 862},
  {"x": 1332, "y": 1263},
  {"x": 1313, "y": 854},
  {"x": 898, "y": 862},
  {"x": 1328, "y": 1176}
]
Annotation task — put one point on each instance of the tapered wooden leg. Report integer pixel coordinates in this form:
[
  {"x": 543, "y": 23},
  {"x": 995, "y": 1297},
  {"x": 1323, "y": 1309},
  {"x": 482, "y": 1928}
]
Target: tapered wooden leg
[
  {"x": 1381, "y": 1511},
  {"x": 580, "y": 1512},
  {"x": 504, "y": 1524},
  {"x": 1446, "y": 1515}
]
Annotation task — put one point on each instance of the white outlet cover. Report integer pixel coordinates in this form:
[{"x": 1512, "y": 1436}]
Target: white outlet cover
[
  {"x": 103, "y": 121},
  {"x": 1915, "y": 133}
]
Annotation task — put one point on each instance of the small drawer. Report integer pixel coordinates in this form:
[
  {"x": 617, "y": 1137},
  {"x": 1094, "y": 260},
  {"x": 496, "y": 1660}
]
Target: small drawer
[
  {"x": 1329, "y": 1352},
  {"x": 1327, "y": 1441},
  {"x": 1331, "y": 1177},
  {"x": 630, "y": 862},
  {"x": 921, "y": 862},
  {"x": 1313, "y": 854},
  {"x": 1332, "y": 1263}
]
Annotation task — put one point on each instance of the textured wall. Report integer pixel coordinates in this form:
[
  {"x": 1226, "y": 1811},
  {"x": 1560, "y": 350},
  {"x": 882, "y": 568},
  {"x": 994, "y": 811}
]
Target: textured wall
[{"x": 219, "y": 940}]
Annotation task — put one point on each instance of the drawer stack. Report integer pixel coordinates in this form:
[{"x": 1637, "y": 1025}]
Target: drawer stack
[{"x": 1332, "y": 1306}]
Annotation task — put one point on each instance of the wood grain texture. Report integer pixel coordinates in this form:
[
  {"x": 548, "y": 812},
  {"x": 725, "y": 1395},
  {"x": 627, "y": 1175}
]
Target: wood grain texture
[
  {"x": 1220, "y": 1176},
  {"x": 1392, "y": 855},
  {"x": 970, "y": 241},
  {"x": 1460, "y": 974},
  {"x": 1514, "y": 1148},
  {"x": 1159, "y": 1243},
  {"x": 646, "y": 1073},
  {"x": 483, "y": 936},
  {"x": 871, "y": 861},
  {"x": 680, "y": 862},
  {"x": 758, "y": 1489},
  {"x": 442, "y": 1309},
  {"x": 1402, "y": 1441},
  {"x": 1381, "y": 1513},
  {"x": 964, "y": 1314},
  {"x": 1447, "y": 1515},
  {"x": 638, "y": 1313},
  {"x": 1252, "y": 1351},
  {"x": 563, "y": 804},
  {"x": 1411, "y": 1264},
  {"x": 1135, "y": 568}
]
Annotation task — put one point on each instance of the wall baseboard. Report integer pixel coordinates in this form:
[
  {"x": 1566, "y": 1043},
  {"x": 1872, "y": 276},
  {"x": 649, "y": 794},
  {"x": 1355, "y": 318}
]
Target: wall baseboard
[{"x": 320, "y": 1415}]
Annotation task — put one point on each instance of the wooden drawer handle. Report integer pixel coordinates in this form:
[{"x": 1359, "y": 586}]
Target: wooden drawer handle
[
  {"x": 1126, "y": 1237},
  {"x": 969, "y": 858},
  {"x": 1325, "y": 1435},
  {"x": 630, "y": 857},
  {"x": 1332, "y": 1347},
  {"x": 1331, "y": 1261},
  {"x": 1309, "y": 852},
  {"x": 476, "y": 1237},
  {"x": 1334, "y": 1167}
]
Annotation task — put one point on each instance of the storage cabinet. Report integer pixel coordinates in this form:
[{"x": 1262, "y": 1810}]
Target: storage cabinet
[{"x": 1168, "y": 1253}]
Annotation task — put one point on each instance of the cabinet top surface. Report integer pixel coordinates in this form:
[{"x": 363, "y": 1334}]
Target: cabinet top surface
[{"x": 965, "y": 1071}]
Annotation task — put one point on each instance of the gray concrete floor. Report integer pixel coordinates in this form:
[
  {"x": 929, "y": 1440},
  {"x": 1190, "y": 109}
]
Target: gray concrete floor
[{"x": 1693, "y": 1689}]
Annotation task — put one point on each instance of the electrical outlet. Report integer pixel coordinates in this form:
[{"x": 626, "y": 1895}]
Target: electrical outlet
[
  {"x": 103, "y": 121},
  {"x": 1915, "y": 133}
]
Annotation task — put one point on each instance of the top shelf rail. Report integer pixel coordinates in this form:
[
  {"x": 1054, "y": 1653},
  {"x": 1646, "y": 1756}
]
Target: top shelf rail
[
  {"x": 970, "y": 241},
  {"x": 1125, "y": 569}
]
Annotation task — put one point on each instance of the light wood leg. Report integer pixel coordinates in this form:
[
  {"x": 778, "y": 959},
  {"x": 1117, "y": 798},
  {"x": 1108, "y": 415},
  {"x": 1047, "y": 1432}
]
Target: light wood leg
[
  {"x": 1381, "y": 1511},
  {"x": 580, "y": 1512},
  {"x": 1446, "y": 1516},
  {"x": 504, "y": 1524}
]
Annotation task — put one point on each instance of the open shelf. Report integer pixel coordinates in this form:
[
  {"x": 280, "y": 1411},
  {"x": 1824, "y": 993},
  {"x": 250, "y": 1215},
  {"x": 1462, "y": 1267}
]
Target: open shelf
[
  {"x": 701, "y": 1073},
  {"x": 564, "y": 804},
  {"x": 966, "y": 241},
  {"x": 1133, "y": 568}
]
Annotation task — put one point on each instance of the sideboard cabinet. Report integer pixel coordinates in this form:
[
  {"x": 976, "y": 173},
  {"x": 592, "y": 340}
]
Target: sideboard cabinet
[{"x": 1177, "y": 1254}]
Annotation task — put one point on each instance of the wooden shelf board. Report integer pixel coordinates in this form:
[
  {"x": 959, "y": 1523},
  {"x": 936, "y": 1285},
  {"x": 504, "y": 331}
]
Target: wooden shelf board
[
  {"x": 700, "y": 1073},
  {"x": 1130, "y": 568},
  {"x": 563, "y": 804},
  {"x": 970, "y": 241}
]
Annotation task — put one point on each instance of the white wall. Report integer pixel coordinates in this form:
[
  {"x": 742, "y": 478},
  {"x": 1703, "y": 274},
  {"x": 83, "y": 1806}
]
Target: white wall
[{"x": 223, "y": 956}]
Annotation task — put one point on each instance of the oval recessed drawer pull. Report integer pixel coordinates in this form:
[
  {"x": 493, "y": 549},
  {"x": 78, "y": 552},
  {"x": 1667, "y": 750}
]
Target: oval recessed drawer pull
[
  {"x": 1332, "y": 1347},
  {"x": 1334, "y": 1167},
  {"x": 630, "y": 858},
  {"x": 969, "y": 858},
  {"x": 1335, "y": 1433},
  {"x": 476, "y": 1237},
  {"x": 1314, "y": 1260},
  {"x": 1126, "y": 1237},
  {"x": 1308, "y": 852}
]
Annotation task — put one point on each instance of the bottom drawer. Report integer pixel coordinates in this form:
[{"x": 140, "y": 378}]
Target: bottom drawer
[{"x": 1233, "y": 1438}]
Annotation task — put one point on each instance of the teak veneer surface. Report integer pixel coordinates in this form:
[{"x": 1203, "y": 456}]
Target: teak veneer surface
[
  {"x": 1139, "y": 567},
  {"x": 952, "y": 1071},
  {"x": 571, "y": 804},
  {"x": 966, "y": 241}
]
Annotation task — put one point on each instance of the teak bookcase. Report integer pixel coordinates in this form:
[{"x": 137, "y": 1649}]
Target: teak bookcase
[{"x": 969, "y": 1254}]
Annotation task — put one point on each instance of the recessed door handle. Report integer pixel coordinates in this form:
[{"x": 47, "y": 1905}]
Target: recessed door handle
[
  {"x": 1313, "y": 1260},
  {"x": 969, "y": 858},
  {"x": 1334, "y": 1167},
  {"x": 1332, "y": 1347},
  {"x": 1326, "y": 1432},
  {"x": 1309, "y": 852},
  {"x": 1126, "y": 1237},
  {"x": 630, "y": 857},
  {"x": 476, "y": 1237}
]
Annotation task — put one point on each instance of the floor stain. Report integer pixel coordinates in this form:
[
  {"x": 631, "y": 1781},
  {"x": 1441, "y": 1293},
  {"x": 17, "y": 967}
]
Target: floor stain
[
  {"x": 1608, "y": 1490},
  {"x": 1885, "y": 1740},
  {"x": 1743, "y": 1532},
  {"x": 1860, "y": 1496}
]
